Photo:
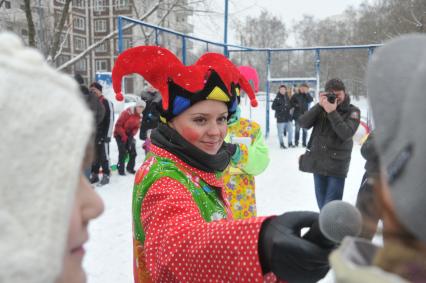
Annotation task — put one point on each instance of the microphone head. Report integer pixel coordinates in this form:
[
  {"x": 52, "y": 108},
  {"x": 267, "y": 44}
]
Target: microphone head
[{"x": 339, "y": 219}]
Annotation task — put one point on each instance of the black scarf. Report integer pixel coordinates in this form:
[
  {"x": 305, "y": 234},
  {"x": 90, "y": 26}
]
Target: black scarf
[{"x": 169, "y": 139}]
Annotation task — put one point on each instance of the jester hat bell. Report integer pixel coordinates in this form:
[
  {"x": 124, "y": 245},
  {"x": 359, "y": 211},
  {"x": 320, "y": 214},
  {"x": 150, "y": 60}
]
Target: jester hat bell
[{"x": 212, "y": 77}]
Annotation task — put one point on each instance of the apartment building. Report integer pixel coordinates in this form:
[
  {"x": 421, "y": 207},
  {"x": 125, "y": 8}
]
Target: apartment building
[{"x": 88, "y": 22}]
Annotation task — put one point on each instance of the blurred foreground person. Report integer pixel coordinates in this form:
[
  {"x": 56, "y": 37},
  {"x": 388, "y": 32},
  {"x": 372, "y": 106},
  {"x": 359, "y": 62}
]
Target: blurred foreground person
[
  {"x": 183, "y": 228},
  {"x": 46, "y": 203},
  {"x": 397, "y": 67}
]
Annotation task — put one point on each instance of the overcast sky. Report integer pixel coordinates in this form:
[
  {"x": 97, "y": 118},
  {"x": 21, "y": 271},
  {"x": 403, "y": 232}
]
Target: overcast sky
[{"x": 210, "y": 25}]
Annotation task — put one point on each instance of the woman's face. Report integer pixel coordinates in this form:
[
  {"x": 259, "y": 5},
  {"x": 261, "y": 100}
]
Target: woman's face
[
  {"x": 87, "y": 206},
  {"x": 203, "y": 125}
]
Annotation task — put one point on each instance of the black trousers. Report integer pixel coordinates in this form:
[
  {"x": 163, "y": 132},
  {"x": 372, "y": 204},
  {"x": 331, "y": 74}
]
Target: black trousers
[
  {"x": 101, "y": 158},
  {"x": 125, "y": 148}
]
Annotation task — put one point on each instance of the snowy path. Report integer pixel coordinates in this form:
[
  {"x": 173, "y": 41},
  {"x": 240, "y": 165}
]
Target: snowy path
[{"x": 282, "y": 187}]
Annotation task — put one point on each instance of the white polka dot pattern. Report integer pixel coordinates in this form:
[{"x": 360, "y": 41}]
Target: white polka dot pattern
[{"x": 181, "y": 247}]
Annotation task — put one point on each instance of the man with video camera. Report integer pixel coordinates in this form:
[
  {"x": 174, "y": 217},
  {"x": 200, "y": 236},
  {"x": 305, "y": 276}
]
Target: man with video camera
[{"x": 328, "y": 153}]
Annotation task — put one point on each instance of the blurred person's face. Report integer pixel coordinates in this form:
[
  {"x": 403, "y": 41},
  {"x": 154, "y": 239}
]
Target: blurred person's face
[
  {"x": 204, "y": 125},
  {"x": 151, "y": 89},
  {"x": 87, "y": 206},
  {"x": 340, "y": 95},
  {"x": 283, "y": 90},
  {"x": 303, "y": 89},
  {"x": 139, "y": 109},
  {"x": 96, "y": 91}
]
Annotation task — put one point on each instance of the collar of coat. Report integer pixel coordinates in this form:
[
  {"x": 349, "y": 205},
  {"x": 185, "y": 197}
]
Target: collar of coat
[{"x": 212, "y": 179}]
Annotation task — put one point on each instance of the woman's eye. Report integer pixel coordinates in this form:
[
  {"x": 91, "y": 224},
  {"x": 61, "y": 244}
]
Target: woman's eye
[
  {"x": 199, "y": 120},
  {"x": 223, "y": 119}
]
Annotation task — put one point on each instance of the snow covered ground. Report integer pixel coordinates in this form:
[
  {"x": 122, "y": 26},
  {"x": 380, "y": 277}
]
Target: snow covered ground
[{"x": 282, "y": 187}]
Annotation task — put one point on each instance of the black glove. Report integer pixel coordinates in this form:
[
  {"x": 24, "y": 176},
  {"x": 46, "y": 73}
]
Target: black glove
[{"x": 286, "y": 254}]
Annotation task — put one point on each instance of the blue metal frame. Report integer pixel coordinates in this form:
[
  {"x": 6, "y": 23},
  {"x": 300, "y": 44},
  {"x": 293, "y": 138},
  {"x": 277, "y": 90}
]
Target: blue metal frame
[{"x": 237, "y": 48}]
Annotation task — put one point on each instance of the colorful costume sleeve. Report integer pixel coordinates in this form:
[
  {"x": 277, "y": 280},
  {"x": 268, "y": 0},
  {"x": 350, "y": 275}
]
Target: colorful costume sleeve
[
  {"x": 258, "y": 156},
  {"x": 181, "y": 246},
  {"x": 253, "y": 158}
]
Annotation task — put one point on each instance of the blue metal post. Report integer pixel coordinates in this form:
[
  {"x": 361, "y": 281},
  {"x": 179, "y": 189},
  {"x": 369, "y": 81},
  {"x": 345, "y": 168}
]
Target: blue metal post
[
  {"x": 317, "y": 71},
  {"x": 268, "y": 75},
  {"x": 369, "y": 116},
  {"x": 156, "y": 36},
  {"x": 120, "y": 34},
  {"x": 184, "y": 50},
  {"x": 225, "y": 35},
  {"x": 207, "y": 47}
]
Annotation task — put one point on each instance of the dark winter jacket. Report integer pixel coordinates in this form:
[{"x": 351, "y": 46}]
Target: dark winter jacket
[
  {"x": 330, "y": 145},
  {"x": 369, "y": 152},
  {"x": 104, "y": 128},
  {"x": 94, "y": 104},
  {"x": 282, "y": 106},
  {"x": 151, "y": 113},
  {"x": 300, "y": 102},
  {"x": 128, "y": 124}
]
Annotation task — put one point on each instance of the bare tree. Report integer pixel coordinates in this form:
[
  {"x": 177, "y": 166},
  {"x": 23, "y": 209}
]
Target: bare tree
[
  {"x": 31, "y": 29},
  {"x": 58, "y": 30}
]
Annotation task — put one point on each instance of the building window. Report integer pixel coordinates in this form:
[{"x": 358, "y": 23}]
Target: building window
[
  {"x": 101, "y": 48},
  {"x": 63, "y": 40},
  {"x": 80, "y": 3},
  {"x": 100, "y": 25},
  {"x": 63, "y": 59},
  {"x": 127, "y": 43},
  {"x": 79, "y": 43},
  {"x": 80, "y": 65},
  {"x": 61, "y": 1},
  {"x": 7, "y": 4},
  {"x": 101, "y": 65},
  {"x": 79, "y": 23},
  {"x": 99, "y": 5},
  {"x": 121, "y": 4}
]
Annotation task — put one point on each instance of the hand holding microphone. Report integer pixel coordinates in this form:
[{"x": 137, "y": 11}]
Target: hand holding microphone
[{"x": 298, "y": 259}]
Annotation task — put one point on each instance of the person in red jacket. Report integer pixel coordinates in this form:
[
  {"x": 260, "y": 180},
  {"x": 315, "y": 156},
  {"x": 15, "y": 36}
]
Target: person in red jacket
[{"x": 125, "y": 129}]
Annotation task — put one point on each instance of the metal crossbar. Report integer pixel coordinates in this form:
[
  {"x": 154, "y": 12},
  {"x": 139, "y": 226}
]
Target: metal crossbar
[{"x": 228, "y": 48}]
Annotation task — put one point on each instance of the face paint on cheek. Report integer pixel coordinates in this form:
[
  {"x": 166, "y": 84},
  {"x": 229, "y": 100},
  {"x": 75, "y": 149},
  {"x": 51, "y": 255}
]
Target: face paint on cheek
[{"x": 190, "y": 134}]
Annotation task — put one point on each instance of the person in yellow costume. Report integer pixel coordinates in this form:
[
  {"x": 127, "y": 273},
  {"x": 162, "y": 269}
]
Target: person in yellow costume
[{"x": 253, "y": 159}]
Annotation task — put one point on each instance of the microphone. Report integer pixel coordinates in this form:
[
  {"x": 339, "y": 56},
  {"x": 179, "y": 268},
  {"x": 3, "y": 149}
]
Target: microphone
[{"x": 337, "y": 220}]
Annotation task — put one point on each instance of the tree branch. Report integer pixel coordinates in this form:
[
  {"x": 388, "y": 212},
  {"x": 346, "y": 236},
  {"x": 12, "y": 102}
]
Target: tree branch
[
  {"x": 109, "y": 36},
  {"x": 57, "y": 32},
  {"x": 62, "y": 44},
  {"x": 31, "y": 29}
]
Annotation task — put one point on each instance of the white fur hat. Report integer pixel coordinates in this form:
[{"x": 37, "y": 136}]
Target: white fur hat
[{"x": 45, "y": 127}]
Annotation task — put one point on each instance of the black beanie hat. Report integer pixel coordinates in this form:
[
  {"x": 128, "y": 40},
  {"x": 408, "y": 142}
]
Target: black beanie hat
[{"x": 96, "y": 85}]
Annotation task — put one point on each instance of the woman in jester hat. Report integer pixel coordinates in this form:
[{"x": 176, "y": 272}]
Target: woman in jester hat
[{"x": 183, "y": 229}]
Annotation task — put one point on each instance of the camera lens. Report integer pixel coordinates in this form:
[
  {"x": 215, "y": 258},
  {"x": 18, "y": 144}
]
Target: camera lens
[{"x": 331, "y": 97}]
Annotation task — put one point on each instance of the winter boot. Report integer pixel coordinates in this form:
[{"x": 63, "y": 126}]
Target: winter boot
[
  {"x": 282, "y": 146},
  {"x": 291, "y": 145},
  {"x": 131, "y": 171},
  {"x": 104, "y": 180},
  {"x": 94, "y": 178}
]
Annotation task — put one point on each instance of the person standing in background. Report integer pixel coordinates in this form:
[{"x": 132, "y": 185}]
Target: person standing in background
[
  {"x": 126, "y": 128},
  {"x": 334, "y": 120},
  {"x": 102, "y": 138},
  {"x": 300, "y": 101},
  {"x": 282, "y": 107}
]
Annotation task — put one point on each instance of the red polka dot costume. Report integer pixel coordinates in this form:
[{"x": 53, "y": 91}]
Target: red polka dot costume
[{"x": 183, "y": 230}]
